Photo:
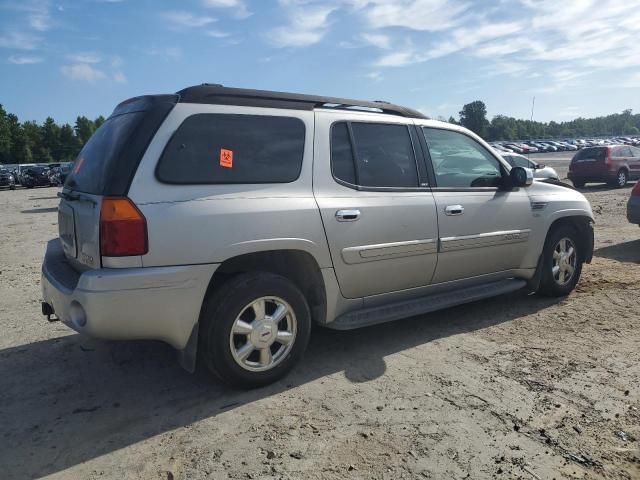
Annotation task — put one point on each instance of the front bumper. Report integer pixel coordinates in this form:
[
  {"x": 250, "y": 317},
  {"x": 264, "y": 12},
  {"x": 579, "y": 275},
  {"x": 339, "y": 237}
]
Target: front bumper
[
  {"x": 155, "y": 303},
  {"x": 633, "y": 210}
]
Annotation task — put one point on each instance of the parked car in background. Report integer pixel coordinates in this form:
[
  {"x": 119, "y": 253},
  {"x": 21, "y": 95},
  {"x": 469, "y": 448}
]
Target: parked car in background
[
  {"x": 515, "y": 147},
  {"x": 58, "y": 175},
  {"x": 501, "y": 148},
  {"x": 328, "y": 237},
  {"x": 7, "y": 179},
  {"x": 35, "y": 177},
  {"x": 615, "y": 165},
  {"x": 633, "y": 205},
  {"x": 540, "y": 171}
]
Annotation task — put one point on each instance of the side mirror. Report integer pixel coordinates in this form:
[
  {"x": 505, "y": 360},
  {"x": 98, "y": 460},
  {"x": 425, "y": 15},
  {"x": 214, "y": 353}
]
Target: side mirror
[
  {"x": 539, "y": 166},
  {"x": 521, "y": 177}
]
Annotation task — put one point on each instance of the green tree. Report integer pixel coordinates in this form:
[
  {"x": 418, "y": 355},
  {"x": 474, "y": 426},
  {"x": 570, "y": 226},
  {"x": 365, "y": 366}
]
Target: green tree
[
  {"x": 474, "y": 117},
  {"x": 5, "y": 137}
]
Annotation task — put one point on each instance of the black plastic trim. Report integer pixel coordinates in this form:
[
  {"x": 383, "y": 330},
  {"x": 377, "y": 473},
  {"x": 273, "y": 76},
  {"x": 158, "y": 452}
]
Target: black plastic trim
[{"x": 217, "y": 94}]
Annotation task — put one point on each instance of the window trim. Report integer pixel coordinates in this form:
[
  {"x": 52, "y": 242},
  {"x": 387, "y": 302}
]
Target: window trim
[
  {"x": 427, "y": 158},
  {"x": 364, "y": 188},
  {"x": 173, "y": 134}
]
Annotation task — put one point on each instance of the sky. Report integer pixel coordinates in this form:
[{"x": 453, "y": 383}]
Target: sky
[{"x": 64, "y": 58}]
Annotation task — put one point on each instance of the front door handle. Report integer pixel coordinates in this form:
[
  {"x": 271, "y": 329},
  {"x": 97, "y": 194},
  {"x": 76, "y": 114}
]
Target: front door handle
[
  {"x": 347, "y": 215},
  {"x": 453, "y": 210}
]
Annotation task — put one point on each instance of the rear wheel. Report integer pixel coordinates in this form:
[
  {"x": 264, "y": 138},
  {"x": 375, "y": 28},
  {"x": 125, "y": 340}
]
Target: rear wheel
[
  {"x": 562, "y": 262},
  {"x": 254, "y": 329},
  {"x": 621, "y": 178}
]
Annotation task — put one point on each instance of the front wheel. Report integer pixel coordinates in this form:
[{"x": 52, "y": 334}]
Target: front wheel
[
  {"x": 254, "y": 329},
  {"x": 578, "y": 183},
  {"x": 561, "y": 263}
]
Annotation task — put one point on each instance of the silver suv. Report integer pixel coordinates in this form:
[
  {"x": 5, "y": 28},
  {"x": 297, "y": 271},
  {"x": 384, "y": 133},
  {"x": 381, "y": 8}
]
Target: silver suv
[{"x": 226, "y": 221}]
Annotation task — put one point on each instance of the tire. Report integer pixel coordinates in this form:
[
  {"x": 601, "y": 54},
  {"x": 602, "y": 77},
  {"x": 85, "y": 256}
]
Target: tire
[
  {"x": 578, "y": 183},
  {"x": 221, "y": 351},
  {"x": 559, "y": 284},
  {"x": 621, "y": 178},
  {"x": 12, "y": 187}
]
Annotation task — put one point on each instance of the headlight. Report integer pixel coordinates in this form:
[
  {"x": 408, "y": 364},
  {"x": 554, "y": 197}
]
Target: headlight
[{"x": 10, "y": 177}]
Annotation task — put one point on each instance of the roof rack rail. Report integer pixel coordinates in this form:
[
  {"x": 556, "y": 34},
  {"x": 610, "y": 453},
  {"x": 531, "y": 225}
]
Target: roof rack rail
[{"x": 218, "y": 94}]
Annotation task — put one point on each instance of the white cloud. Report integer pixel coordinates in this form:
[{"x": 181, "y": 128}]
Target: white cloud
[
  {"x": 424, "y": 15},
  {"x": 83, "y": 72},
  {"x": 308, "y": 24},
  {"x": 24, "y": 59},
  {"x": 119, "y": 77},
  {"x": 377, "y": 40},
  {"x": 183, "y": 20},
  {"x": 19, "y": 41},
  {"x": 217, "y": 34},
  {"x": 375, "y": 76},
  {"x": 85, "y": 57},
  {"x": 238, "y": 8},
  {"x": 170, "y": 53}
]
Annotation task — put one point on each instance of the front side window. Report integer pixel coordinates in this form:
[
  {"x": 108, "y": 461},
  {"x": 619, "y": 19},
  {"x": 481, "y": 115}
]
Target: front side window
[
  {"x": 384, "y": 155},
  {"x": 223, "y": 148},
  {"x": 459, "y": 161}
]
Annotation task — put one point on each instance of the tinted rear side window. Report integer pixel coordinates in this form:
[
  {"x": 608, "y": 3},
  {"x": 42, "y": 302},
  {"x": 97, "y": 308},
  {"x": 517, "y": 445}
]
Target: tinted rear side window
[
  {"x": 595, "y": 153},
  {"x": 342, "y": 164},
  {"x": 220, "y": 148},
  {"x": 97, "y": 159}
]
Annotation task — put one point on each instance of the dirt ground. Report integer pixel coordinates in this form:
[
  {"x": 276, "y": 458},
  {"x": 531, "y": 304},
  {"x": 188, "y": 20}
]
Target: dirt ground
[{"x": 513, "y": 387}]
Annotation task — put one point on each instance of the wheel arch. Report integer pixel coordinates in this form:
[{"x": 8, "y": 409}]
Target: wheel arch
[
  {"x": 583, "y": 224},
  {"x": 299, "y": 266}
]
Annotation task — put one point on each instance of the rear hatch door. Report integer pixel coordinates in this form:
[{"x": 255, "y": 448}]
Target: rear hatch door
[
  {"x": 589, "y": 161},
  {"x": 105, "y": 168}
]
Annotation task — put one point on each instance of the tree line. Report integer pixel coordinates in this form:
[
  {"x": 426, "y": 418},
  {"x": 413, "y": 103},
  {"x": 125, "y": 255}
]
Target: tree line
[
  {"x": 30, "y": 142},
  {"x": 474, "y": 117}
]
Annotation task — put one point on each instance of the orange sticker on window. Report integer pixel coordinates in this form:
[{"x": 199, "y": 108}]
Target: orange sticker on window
[{"x": 226, "y": 158}]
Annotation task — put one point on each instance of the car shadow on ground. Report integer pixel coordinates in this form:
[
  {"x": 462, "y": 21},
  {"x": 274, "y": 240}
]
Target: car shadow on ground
[
  {"x": 40, "y": 210},
  {"x": 622, "y": 252},
  {"x": 68, "y": 400}
]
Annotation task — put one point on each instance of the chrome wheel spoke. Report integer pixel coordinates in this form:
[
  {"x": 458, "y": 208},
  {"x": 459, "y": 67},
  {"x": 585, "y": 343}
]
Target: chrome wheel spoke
[
  {"x": 555, "y": 270},
  {"x": 284, "y": 338},
  {"x": 265, "y": 357},
  {"x": 570, "y": 269},
  {"x": 556, "y": 255},
  {"x": 279, "y": 314},
  {"x": 258, "y": 308},
  {"x": 242, "y": 328},
  {"x": 244, "y": 351}
]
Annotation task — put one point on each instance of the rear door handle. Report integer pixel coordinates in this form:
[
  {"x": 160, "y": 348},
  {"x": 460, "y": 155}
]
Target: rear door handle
[
  {"x": 347, "y": 215},
  {"x": 453, "y": 210}
]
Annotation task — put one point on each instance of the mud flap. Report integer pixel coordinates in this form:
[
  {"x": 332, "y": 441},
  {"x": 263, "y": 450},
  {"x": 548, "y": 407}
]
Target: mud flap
[
  {"x": 534, "y": 283},
  {"x": 187, "y": 356}
]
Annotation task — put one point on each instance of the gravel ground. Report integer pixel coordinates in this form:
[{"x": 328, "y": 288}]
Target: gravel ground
[{"x": 513, "y": 387}]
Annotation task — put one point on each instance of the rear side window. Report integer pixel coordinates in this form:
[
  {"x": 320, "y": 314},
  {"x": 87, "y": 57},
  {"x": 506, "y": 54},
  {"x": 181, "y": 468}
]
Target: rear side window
[
  {"x": 384, "y": 155},
  {"x": 223, "y": 149},
  {"x": 594, "y": 153},
  {"x": 97, "y": 160}
]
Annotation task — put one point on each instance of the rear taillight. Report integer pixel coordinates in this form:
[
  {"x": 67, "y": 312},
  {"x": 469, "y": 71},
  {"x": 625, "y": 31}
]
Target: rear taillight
[
  {"x": 636, "y": 190},
  {"x": 123, "y": 228}
]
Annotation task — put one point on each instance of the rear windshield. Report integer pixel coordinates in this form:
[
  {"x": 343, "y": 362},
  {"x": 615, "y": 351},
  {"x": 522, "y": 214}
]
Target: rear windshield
[
  {"x": 595, "y": 153},
  {"x": 99, "y": 156}
]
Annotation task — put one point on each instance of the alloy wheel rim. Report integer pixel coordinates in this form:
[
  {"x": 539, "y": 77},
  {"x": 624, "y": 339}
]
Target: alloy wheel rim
[
  {"x": 263, "y": 334},
  {"x": 622, "y": 179},
  {"x": 565, "y": 260}
]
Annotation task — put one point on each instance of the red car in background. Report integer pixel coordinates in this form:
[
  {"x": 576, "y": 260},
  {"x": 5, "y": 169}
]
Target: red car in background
[{"x": 613, "y": 164}]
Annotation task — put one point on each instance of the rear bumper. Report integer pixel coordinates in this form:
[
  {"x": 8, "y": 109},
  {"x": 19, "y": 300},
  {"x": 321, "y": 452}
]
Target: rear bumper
[
  {"x": 633, "y": 210},
  {"x": 155, "y": 303}
]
